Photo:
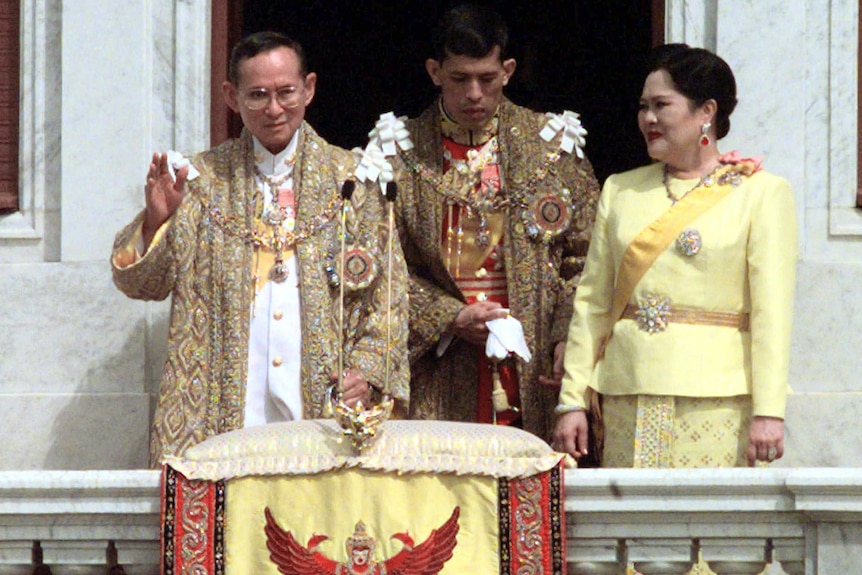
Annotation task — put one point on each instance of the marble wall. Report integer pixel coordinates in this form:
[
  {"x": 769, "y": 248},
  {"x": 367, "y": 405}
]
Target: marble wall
[
  {"x": 795, "y": 66},
  {"x": 105, "y": 84}
]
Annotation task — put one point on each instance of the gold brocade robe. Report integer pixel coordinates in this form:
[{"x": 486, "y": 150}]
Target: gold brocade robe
[
  {"x": 542, "y": 272},
  {"x": 200, "y": 259}
]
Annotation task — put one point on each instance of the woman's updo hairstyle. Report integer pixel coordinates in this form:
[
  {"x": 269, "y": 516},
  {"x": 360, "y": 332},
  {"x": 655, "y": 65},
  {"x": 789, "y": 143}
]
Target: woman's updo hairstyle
[{"x": 699, "y": 75}]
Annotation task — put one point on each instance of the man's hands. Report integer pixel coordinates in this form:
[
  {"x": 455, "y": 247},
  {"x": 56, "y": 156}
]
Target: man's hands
[
  {"x": 163, "y": 195},
  {"x": 570, "y": 434},
  {"x": 469, "y": 324},
  {"x": 556, "y": 380},
  {"x": 356, "y": 388}
]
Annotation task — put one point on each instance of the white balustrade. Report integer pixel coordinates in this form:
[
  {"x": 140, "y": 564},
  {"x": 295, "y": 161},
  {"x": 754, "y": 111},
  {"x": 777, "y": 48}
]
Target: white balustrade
[{"x": 804, "y": 521}]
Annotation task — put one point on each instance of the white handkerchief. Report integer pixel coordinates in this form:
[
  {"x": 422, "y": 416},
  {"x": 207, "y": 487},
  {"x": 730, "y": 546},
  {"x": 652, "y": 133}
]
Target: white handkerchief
[
  {"x": 507, "y": 336},
  {"x": 176, "y": 161}
]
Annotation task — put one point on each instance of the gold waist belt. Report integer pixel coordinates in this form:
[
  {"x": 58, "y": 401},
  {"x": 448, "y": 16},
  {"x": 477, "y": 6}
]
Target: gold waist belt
[{"x": 654, "y": 318}]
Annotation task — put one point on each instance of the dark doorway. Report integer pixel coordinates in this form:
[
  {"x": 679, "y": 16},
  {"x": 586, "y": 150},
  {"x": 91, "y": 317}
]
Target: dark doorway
[{"x": 580, "y": 55}]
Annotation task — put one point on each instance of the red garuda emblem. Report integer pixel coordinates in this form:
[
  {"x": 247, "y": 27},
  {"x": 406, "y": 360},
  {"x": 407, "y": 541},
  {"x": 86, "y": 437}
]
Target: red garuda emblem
[{"x": 426, "y": 558}]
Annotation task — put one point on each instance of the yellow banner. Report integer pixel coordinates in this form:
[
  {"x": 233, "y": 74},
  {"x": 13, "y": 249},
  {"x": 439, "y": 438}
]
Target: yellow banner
[{"x": 354, "y": 510}]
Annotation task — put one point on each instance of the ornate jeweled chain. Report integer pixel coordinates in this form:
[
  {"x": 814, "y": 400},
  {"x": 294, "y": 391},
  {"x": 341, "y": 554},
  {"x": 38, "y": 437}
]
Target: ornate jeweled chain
[
  {"x": 480, "y": 205},
  {"x": 732, "y": 176},
  {"x": 276, "y": 238}
]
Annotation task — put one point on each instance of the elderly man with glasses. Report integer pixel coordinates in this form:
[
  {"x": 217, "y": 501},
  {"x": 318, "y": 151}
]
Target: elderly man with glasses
[{"x": 250, "y": 238}]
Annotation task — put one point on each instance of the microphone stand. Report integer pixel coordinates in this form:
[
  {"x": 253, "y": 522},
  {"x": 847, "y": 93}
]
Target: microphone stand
[
  {"x": 358, "y": 423},
  {"x": 391, "y": 193},
  {"x": 346, "y": 193}
]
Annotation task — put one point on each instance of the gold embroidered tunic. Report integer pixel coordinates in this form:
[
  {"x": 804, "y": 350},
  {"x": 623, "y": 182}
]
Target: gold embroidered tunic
[
  {"x": 542, "y": 267},
  {"x": 201, "y": 257}
]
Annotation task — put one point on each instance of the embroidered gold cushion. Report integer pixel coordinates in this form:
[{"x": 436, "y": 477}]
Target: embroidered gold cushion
[{"x": 317, "y": 446}]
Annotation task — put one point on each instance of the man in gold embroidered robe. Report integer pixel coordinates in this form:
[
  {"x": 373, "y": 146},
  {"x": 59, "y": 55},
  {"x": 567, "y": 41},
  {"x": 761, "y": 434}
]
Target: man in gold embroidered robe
[
  {"x": 514, "y": 238},
  {"x": 250, "y": 252}
]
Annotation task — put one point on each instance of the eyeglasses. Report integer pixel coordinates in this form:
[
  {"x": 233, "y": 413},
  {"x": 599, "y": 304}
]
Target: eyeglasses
[{"x": 259, "y": 98}]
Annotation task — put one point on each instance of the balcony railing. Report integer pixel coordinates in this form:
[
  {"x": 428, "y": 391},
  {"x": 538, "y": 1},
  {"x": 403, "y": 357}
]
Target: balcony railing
[{"x": 802, "y": 521}]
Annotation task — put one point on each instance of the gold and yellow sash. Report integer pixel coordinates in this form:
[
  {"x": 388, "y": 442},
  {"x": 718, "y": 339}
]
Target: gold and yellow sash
[{"x": 651, "y": 241}]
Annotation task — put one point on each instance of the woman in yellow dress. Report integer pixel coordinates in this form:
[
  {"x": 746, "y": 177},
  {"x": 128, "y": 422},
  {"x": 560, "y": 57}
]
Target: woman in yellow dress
[{"x": 682, "y": 317}]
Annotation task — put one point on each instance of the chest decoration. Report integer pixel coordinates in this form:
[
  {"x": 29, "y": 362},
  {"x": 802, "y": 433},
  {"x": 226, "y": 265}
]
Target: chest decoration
[
  {"x": 688, "y": 243},
  {"x": 360, "y": 267},
  {"x": 541, "y": 217},
  {"x": 352, "y": 255},
  {"x": 548, "y": 216}
]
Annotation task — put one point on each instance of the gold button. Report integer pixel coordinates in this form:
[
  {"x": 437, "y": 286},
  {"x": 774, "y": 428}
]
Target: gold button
[
  {"x": 276, "y": 361},
  {"x": 278, "y": 315},
  {"x": 482, "y": 296},
  {"x": 481, "y": 272}
]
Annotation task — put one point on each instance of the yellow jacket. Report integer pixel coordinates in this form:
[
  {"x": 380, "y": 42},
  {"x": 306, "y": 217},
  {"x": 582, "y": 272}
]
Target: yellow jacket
[{"x": 747, "y": 264}]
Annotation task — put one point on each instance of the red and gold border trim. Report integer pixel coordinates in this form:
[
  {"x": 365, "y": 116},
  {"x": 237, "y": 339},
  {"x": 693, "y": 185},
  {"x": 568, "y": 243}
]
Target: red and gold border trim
[
  {"x": 192, "y": 538},
  {"x": 532, "y": 523}
]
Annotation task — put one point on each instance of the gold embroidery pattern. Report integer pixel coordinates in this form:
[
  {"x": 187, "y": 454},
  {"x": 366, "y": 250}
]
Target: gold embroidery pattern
[
  {"x": 690, "y": 431},
  {"x": 528, "y": 526},
  {"x": 654, "y": 435},
  {"x": 218, "y": 532},
  {"x": 711, "y": 431},
  {"x": 541, "y": 275},
  {"x": 557, "y": 518},
  {"x": 504, "y": 510},
  {"x": 169, "y": 493},
  {"x": 201, "y": 515},
  {"x": 195, "y": 519}
]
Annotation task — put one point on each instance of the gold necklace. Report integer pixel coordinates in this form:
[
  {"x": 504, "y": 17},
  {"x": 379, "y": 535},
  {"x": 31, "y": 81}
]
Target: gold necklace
[
  {"x": 707, "y": 180},
  {"x": 275, "y": 213},
  {"x": 276, "y": 238}
]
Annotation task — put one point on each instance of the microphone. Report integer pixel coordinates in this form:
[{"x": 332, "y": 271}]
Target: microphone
[
  {"x": 347, "y": 189},
  {"x": 391, "y": 193}
]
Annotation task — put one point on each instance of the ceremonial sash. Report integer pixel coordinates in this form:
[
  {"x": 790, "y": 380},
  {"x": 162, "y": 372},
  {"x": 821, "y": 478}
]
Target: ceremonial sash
[
  {"x": 645, "y": 248},
  {"x": 640, "y": 255}
]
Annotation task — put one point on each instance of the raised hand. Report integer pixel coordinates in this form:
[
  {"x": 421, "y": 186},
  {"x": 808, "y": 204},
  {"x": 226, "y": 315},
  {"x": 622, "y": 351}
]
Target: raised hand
[{"x": 163, "y": 195}]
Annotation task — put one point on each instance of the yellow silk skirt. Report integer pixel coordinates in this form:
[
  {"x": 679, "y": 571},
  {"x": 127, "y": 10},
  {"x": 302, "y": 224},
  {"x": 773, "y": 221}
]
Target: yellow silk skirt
[
  {"x": 669, "y": 431},
  {"x": 657, "y": 431}
]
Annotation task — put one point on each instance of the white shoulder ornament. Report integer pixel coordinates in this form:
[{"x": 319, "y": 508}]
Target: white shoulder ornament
[
  {"x": 389, "y": 134},
  {"x": 574, "y": 134}
]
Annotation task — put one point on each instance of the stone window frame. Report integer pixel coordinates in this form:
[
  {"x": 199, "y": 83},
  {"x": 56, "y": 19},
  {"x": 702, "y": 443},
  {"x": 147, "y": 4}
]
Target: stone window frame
[
  {"x": 859, "y": 107},
  {"x": 32, "y": 233},
  {"x": 845, "y": 145},
  {"x": 11, "y": 65}
]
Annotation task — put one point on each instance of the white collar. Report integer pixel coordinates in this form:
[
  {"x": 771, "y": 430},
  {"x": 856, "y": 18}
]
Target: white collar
[{"x": 275, "y": 164}]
